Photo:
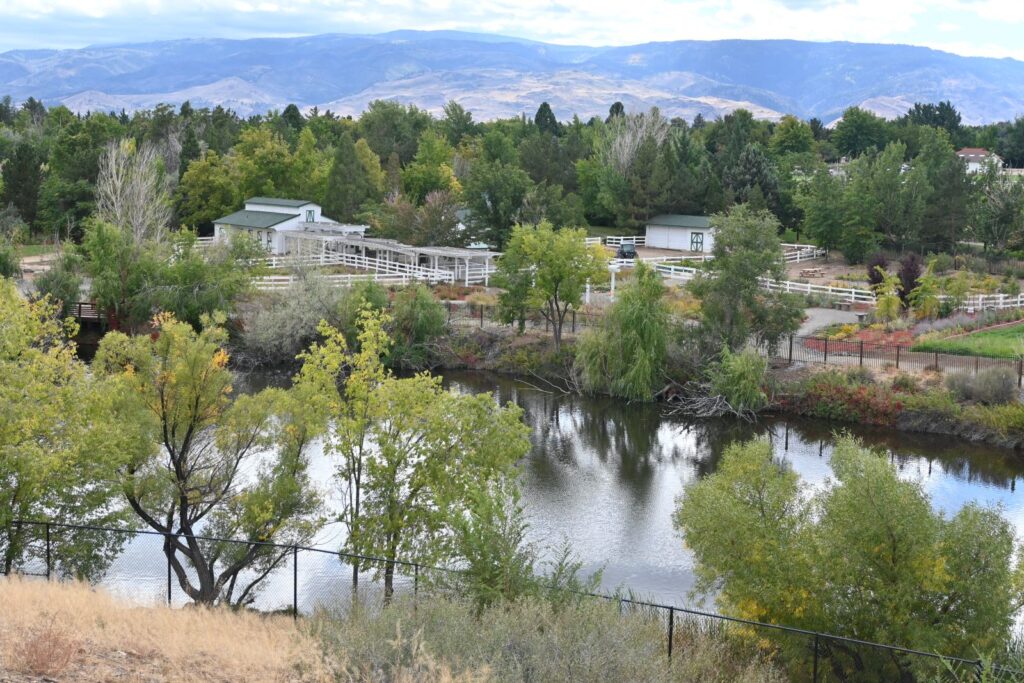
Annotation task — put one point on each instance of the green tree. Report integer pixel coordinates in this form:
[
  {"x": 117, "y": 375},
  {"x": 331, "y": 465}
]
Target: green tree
[
  {"x": 734, "y": 306},
  {"x": 410, "y": 452},
  {"x": 560, "y": 265},
  {"x": 821, "y": 202},
  {"x": 22, "y": 180},
  {"x": 261, "y": 165},
  {"x": 206, "y": 192},
  {"x": 494, "y": 193},
  {"x": 457, "y": 123},
  {"x": 195, "y": 442},
  {"x": 122, "y": 273},
  {"x": 999, "y": 213},
  {"x": 545, "y": 120},
  {"x": 393, "y": 128},
  {"x": 626, "y": 355},
  {"x": 349, "y": 186},
  {"x": 430, "y": 170},
  {"x": 866, "y": 556},
  {"x": 791, "y": 136},
  {"x": 859, "y": 131},
  {"x": 60, "y": 447}
]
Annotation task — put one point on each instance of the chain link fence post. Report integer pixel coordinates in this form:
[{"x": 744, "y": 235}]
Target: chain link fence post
[
  {"x": 48, "y": 555},
  {"x": 815, "y": 675},
  {"x": 295, "y": 582},
  {"x": 671, "y": 630}
]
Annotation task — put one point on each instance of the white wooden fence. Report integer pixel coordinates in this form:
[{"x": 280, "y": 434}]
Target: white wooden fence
[
  {"x": 376, "y": 265},
  {"x": 619, "y": 240},
  {"x": 276, "y": 282}
]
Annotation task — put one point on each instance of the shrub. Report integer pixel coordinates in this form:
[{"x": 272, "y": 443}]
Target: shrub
[
  {"x": 739, "y": 378},
  {"x": 860, "y": 376},
  {"x": 904, "y": 383},
  {"x": 286, "y": 322},
  {"x": 9, "y": 264},
  {"x": 63, "y": 281},
  {"x": 934, "y": 399},
  {"x": 534, "y": 641},
  {"x": 911, "y": 267},
  {"x": 991, "y": 386},
  {"x": 876, "y": 262},
  {"x": 941, "y": 262},
  {"x": 832, "y": 396},
  {"x": 418, "y": 319},
  {"x": 1005, "y": 419}
]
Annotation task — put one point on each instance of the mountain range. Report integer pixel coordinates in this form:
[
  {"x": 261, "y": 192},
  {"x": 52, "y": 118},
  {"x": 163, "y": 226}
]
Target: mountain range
[{"x": 495, "y": 76}]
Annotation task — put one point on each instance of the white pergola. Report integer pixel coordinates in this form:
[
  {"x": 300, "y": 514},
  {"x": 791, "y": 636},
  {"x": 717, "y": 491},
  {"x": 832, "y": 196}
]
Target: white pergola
[{"x": 453, "y": 264}]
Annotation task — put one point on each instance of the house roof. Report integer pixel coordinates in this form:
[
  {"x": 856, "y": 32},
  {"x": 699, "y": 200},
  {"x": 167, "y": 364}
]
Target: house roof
[
  {"x": 675, "y": 220},
  {"x": 974, "y": 152},
  {"x": 254, "y": 219},
  {"x": 273, "y": 201}
]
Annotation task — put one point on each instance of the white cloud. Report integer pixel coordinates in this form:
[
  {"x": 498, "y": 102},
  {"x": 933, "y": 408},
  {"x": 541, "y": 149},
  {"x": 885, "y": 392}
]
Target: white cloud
[{"x": 592, "y": 22}]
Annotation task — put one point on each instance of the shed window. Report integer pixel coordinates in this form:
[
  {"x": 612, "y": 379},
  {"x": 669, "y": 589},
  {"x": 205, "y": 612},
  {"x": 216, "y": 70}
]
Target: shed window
[{"x": 309, "y": 215}]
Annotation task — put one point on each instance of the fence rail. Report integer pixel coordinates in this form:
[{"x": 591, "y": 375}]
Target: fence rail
[{"x": 306, "y": 578}]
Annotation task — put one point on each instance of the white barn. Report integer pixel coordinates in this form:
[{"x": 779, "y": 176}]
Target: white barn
[
  {"x": 268, "y": 220},
  {"x": 679, "y": 232}
]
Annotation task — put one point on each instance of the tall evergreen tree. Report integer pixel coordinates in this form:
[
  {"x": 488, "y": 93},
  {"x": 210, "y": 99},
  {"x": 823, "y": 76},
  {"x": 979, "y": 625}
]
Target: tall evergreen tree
[
  {"x": 348, "y": 185},
  {"x": 545, "y": 119},
  {"x": 23, "y": 176}
]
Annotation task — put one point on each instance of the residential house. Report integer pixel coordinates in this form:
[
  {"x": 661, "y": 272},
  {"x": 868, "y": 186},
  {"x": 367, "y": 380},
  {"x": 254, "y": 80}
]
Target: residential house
[{"x": 978, "y": 158}]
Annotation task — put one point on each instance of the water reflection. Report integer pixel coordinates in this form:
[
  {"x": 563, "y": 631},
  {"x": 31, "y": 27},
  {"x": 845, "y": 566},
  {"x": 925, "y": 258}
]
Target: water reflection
[{"x": 606, "y": 474}]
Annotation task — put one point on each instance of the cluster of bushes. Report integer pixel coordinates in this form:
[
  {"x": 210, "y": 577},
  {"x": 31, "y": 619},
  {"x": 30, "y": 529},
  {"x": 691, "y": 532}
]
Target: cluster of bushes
[
  {"x": 848, "y": 396},
  {"x": 991, "y": 386},
  {"x": 285, "y": 323},
  {"x": 531, "y": 640}
]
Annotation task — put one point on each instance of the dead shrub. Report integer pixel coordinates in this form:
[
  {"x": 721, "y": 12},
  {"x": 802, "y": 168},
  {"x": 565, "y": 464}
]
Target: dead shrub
[{"x": 46, "y": 650}]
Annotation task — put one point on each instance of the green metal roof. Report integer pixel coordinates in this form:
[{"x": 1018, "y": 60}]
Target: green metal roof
[
  {"x": 273, "y": 201},
  {"x": 675, "y": 220},
  {"x": 254, "y": 219}
]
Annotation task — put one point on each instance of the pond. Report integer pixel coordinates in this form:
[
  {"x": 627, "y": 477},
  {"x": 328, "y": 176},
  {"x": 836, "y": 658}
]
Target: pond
[{"x": 605, "y": 476}]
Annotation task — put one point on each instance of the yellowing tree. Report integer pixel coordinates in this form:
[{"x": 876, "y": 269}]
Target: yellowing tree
[
  {"x": 547, "y": 270},
  {"x": 202, "y": 465},
  {"x": 59, "y": 447}
]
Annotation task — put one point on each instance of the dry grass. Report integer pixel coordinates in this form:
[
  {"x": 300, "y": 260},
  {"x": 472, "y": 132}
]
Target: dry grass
[{"x": 72, "y": 632}]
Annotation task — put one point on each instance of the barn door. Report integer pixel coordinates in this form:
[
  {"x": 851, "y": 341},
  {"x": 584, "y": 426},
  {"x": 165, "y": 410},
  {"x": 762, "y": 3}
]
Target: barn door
[{"x": 697, "y": 241}]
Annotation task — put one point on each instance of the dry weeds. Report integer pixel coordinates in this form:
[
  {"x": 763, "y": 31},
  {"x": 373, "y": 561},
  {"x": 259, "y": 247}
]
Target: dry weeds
[{"x": 73, "y": 632}]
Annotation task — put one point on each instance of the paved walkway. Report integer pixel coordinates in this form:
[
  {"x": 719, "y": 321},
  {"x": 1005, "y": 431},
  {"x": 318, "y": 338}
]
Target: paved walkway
[{"x": 818, "y": 318}]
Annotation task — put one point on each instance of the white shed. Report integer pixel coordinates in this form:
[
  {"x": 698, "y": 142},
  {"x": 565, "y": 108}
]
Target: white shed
[{"x": 683, "y": 233}]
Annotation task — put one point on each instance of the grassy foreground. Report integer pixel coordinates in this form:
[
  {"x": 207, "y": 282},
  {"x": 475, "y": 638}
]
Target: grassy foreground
[
  {"x": 1003, "y": 342},
  {"x": 73, "y": 632}
]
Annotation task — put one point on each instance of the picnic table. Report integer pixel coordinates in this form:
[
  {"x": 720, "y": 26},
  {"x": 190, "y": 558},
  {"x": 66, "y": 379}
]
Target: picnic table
[{"x": 812, "y": 272}]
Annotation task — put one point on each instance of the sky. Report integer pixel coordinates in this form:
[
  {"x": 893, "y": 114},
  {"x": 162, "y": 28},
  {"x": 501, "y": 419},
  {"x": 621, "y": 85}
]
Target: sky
[{"x": 989, "y": 28}]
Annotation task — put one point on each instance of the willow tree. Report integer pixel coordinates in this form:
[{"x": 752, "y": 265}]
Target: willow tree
[
  {"x": 626, "y": 355},
  {"x": 208, "y": 464}
]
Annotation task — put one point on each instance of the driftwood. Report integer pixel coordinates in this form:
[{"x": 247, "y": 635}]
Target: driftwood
[{"x": 698, "y": 399}]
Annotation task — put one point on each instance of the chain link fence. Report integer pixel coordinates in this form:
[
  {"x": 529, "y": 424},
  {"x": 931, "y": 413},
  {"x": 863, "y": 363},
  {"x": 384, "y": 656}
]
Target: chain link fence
[{"x": 299, "y": 580}]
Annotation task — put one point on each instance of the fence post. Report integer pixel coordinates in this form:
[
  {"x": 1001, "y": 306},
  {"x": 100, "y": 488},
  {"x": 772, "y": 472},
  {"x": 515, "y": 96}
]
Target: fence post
[
  {"x": 977, "y": 359},
  {"x": 861, "y": 353},
  {"x": 574, "y": 321},
  {"x": 47, "y": 551},
  {"x": 826, "y": 350},
  {"x": 671, "y": 629},
  {"x": 167, "y": 552},
  {"x": 815, "y": 675},
  {"x": 936, "y": 361},
  {"x": 415, "y": 584},
  {"x": 481, "y": 317},
  {"x": 790, "y": 349},
  {"x": 1020, "y": 371},
  {"x": 295, "y": 582},
  {"x": 897, "y": 357}
]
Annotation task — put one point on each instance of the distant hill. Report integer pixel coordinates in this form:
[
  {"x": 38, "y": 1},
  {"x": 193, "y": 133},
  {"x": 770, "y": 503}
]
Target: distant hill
[{"x": 497, "y": 76}]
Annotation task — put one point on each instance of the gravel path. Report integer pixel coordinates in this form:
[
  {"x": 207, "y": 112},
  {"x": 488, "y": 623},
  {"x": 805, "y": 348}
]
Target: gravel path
[{"x": 818, "y": 318}]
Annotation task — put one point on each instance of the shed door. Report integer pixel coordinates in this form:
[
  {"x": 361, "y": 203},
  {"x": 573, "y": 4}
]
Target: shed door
[{"x": 696, "y": 241}]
